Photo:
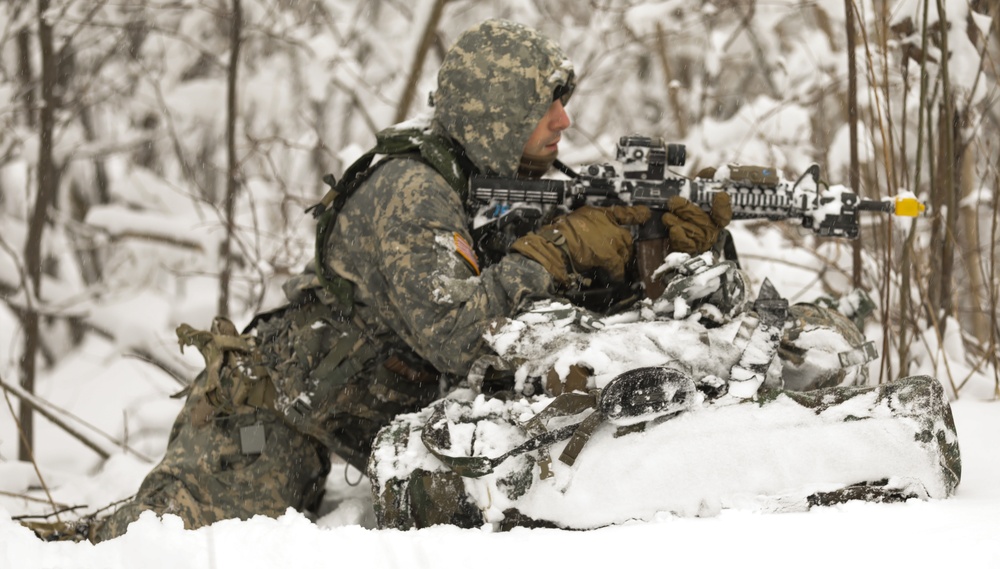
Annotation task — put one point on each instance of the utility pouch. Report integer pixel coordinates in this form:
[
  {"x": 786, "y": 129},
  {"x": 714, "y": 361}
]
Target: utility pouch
[{"x": 235, "y": 379}]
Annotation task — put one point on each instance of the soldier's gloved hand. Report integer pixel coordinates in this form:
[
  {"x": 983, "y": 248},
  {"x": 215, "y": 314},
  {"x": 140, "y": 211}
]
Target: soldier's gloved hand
[
  {"x": 588, "y": 238},
  {"x": 692, "y": 230}
]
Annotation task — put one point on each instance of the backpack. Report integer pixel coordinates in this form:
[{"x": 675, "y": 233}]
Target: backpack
[
  {"x": 418, "y": 143},
  {"x": 299, "y": 360},
  {"x": 469, "y": 461}
]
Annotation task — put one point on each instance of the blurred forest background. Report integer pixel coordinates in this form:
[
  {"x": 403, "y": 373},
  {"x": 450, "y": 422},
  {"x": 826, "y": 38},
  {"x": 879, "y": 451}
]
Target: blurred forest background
[{"x": 156, "y": 156}]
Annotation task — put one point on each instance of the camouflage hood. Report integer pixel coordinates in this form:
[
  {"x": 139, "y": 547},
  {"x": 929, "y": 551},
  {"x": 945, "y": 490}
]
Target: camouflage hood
[{"x": 495, "y": 85}]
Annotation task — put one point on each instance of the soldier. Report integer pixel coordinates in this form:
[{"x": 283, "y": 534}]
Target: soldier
[{"x": 395, "y": 312}]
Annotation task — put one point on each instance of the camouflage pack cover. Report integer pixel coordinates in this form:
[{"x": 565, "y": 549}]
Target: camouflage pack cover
[
  {"x": 888, "y": 442},
  {"x": 823, "y": 348},
  {"x": 883, "y": 443}
]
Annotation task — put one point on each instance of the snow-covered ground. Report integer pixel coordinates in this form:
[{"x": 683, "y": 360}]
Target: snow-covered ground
[
  {"x": 129, "y": 398},
  {"x": 963, "y": 531},
  {"x": 110, "y": 392}
]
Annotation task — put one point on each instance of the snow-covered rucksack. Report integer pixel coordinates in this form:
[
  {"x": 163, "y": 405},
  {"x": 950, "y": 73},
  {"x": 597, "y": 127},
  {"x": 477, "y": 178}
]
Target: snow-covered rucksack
[{"x": 472, "y": 461}]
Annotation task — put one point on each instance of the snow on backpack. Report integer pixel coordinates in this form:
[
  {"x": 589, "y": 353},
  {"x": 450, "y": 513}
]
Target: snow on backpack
[{"x": 663, "y": 438}]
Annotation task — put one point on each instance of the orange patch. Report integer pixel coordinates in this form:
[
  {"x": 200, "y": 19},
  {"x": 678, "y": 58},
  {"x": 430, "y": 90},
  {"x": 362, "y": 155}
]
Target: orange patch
[{"x": 466, "y": 251}]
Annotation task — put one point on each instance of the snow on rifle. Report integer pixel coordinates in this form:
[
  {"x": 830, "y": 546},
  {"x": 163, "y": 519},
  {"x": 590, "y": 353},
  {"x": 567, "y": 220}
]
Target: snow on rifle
[{"x": 640, "y": 175}]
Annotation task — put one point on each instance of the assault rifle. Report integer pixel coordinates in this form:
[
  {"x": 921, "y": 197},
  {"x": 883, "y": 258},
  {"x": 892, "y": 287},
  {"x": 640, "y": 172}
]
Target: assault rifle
[{"x": 640, "y": 175}]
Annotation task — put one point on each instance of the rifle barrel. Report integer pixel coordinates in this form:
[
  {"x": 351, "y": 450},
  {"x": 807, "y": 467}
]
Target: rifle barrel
[{"x": 876, "y": 205}]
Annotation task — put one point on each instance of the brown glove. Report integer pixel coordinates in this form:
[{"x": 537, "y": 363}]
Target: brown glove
[
  {"x": 586, "y": 239},
  {"x": 691, "y": 230}
]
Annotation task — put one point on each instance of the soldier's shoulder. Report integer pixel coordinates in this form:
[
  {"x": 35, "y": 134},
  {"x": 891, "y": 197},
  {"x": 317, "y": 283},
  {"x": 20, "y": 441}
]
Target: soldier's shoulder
[
  {"x": 405, "y": 188},
  {"x": 407, "y": 175}
]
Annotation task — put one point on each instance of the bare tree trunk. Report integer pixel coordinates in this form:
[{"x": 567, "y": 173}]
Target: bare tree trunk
[
  {"x": 426, "y": 39},
  {"x": 29, "y": 320},
  {"x": 948, "y": 209},
  {"x": 890, "y": 157},
  {"x": 100, "y": 171},
  {"x": 47, "y": 183},
  {"x": 972, "y": 251},
  {"x": 668, "y": 76},
  {"x": 938, "y": 195},
  {"x": 87, "y": 255},
  {"x": 852, "y": 121},
  {"x": 994, "y": 291},
  {"x": 232, "y": 185},
  {"x": 949, "y": 136},
  {"x": 25, "y": 74},
  {"x": 992, "y": 276},
  {"x": 908, "y": 249},
  {"x": 31, "y": 341}
]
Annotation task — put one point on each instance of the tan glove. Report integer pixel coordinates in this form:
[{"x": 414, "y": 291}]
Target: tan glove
[
  {"x": 691, "y": 230},
  {"x": 588, "y": 238}
]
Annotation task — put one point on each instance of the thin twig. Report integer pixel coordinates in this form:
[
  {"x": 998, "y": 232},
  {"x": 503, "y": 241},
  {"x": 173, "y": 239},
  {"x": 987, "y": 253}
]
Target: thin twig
[
  {"x": 30, "y": 499},
  {"x": 420, "y": 55},
  {"x": 31, "y": 451},
  {"x": 937, "y": 331},
  {"x": 46, "y": 516},
  {"x": 29, "y": 400},
  {"x": 149, "y": 359}
]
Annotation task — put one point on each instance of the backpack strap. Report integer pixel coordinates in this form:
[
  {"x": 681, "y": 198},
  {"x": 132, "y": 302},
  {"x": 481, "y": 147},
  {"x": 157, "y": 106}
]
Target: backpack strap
[
  {"x": 436, "y": 435},
  {"x": 630, "y": 401},
  {"x": 434, "y": 149}
]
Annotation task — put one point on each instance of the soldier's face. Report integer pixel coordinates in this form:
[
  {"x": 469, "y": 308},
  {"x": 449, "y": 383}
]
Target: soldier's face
[{"x": 543, "y": 146}]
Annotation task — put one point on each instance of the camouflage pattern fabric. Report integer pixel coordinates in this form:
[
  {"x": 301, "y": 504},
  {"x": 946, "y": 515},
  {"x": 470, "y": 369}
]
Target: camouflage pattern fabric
[
  {"x": 808, "y": 364},
  {"x": 396, "y": 241},
  {"x": 423, "y": 303},
  {"x": 494, "y": 85},
  {"x": 332, "y": 393},
  {"x": 399, "y": 238},
  {"x": 206, "y": 477},
  {"x": 408, "y": 497}
]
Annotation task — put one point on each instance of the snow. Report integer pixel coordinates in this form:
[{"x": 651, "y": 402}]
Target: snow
[
  {"x": 960, "y": 532},
  {"x": 713, "y": 456},
  {"x": 150, "y": 288},
  {"x": 963, "y": 69}
]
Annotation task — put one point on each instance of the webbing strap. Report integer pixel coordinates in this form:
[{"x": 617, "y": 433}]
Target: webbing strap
[
  {"x": 478, "y": 466},
  {"x": 436, "y": 431},
  {"x": 858, "y": 356},
  {"x": 580, "y": 437},
  {"x": 564, "y": 405},
  {"x": 343, "y": 347}
]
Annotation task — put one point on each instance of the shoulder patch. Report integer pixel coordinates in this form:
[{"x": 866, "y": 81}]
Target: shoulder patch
[{"x": 466, "y": 251}]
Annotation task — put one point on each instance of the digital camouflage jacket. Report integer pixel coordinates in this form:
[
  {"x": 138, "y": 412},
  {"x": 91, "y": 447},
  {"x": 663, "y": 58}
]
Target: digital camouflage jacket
[
  {"x": 309, "y": 379},
  {"x": 403, "y": 238}
]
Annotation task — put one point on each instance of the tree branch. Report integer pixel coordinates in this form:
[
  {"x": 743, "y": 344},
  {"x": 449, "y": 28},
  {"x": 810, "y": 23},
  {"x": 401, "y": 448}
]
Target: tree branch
[
  {"x": 426, "y": 39},
  {"x": 49, "y": 411}
]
